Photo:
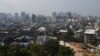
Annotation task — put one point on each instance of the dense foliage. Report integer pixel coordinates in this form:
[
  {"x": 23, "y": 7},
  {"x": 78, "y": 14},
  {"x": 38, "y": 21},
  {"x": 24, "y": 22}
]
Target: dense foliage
[{"x": 50, "y": 48}]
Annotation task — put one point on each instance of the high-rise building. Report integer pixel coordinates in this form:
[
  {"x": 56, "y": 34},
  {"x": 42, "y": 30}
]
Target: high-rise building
[
  {"x": 3, "y": 17},
  {"x": 41, "y": 19},
  {"x": 61, "y": 14},
  {"x": 16, "y": 16},
  {"x": 54, "y": 14},
  {"x": 27, "y": 17},
  {"x": 60, "y": 17},
  {"x": 33, "y": 18},
  {"x": 69, "y": 15},
  {"x": 9, "y": 15},
  {"x": 23, "y": 15}
]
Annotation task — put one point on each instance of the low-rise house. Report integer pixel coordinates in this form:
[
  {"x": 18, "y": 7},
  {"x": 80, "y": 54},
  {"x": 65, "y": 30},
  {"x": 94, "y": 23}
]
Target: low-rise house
[
  {"x": 42, "y": 39},
  {"x": 41, "y": 31},
  {"x": 61, "y": 34},
  {"x": 24, "y": 41},
  {"x": 79, "y": 33},
  {"x": 98, "y": 34},
  {"x": 79, "y": 36},
  {"x": 1, "y": 43},
  {"x": 89, "y": 36},
  {"x": 62, "y": 43}
]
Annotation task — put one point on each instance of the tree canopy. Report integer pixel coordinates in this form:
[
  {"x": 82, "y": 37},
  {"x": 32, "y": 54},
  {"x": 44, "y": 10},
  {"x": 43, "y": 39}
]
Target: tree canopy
[{"x": 50, "y": 48}]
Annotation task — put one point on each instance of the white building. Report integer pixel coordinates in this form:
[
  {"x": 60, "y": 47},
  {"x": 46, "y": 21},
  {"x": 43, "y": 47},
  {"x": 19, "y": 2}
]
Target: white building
[{"x": 89, "y": 35}]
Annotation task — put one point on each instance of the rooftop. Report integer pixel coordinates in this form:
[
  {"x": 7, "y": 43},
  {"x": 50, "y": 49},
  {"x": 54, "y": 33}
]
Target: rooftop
[
  {"x": 89, "y": 31},
  {"x": 62, "y": 30},
  {"x": 41, "y": 29}
]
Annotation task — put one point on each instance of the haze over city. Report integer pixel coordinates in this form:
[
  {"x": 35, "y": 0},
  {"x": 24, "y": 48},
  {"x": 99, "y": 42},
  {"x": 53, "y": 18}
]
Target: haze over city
[
  {"x": 49, "y": 28},
  {"x": 46, "y": 7}
]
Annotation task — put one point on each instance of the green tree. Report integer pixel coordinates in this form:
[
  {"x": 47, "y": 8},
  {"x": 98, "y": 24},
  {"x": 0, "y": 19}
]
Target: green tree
[
  {"x": 4, "y": 50},
  {"x": 13, "y": 51},
  {"x": 24, "y": 52},
  {"x": 70, "y": 35},
  {"x": 51, "y": 47},
  {"x": 65, "y": 51},
  {"x": 35, "y": 50}
]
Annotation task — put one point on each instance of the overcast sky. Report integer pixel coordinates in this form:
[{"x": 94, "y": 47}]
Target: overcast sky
[{"x": 84, "y": 7}]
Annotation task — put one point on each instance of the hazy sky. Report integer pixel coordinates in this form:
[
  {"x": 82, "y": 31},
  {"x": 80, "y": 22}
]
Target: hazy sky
[{"x": 84, "y": 7}]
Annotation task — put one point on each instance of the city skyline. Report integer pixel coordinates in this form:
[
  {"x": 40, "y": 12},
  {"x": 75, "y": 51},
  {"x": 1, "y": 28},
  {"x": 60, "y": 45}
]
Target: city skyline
[{"x": 46, "y": 7}]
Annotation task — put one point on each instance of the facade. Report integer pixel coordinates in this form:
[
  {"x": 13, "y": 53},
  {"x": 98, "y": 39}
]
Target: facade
[
  {"x": 78, "y": 34},
  {"x": 23, "y": 16},
  {"x": 42, "y": 39},
  {"x": 90, "y": 36},
  {"x": 33, "y": 18},
  {"x": 61, "y": 34},
  {"x": 69, "y": 15},
  {"x": 41, "y": 20},
  {"x": 16, "y": 17}
]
